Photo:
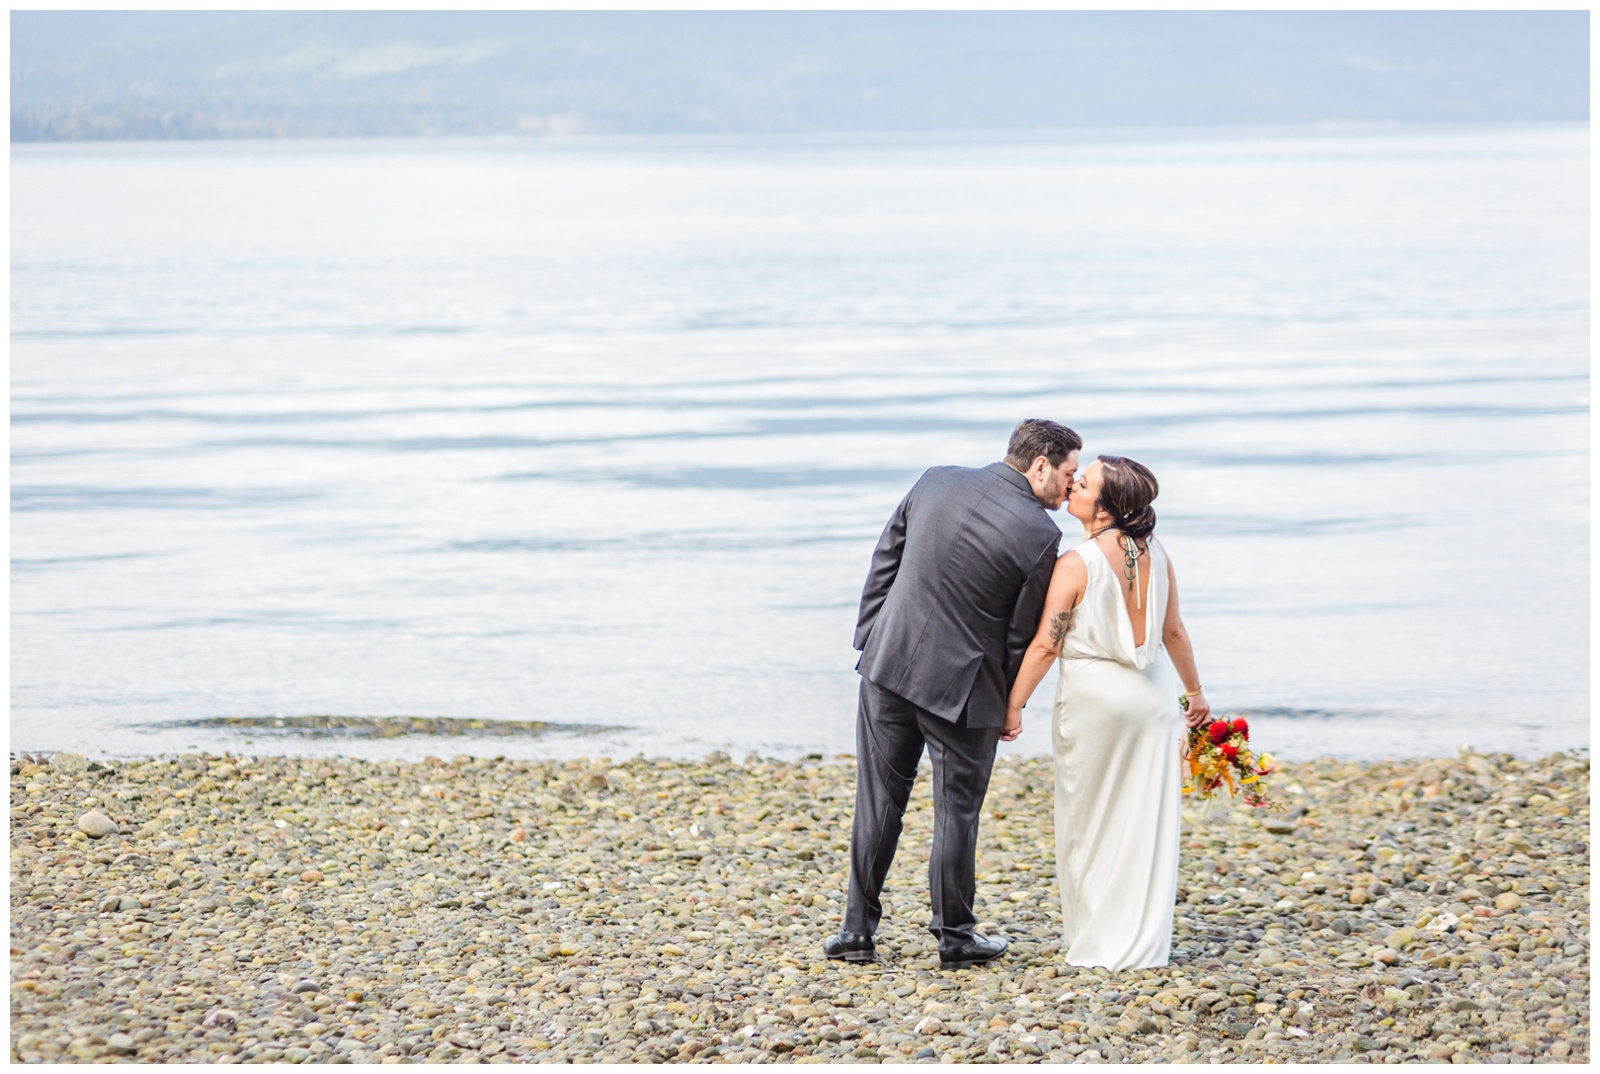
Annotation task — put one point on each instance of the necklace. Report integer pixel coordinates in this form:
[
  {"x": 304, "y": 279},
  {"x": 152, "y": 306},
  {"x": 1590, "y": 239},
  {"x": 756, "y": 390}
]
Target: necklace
[
  {"x": 1130, "y": 568},
  {"x": 1130, "y": 560}
]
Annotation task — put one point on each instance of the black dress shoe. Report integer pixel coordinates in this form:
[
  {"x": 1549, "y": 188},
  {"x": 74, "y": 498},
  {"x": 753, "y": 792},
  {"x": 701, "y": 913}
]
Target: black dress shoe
[
  {"x": 975, "y": 952},
  {"x": 850, "y": 946}
]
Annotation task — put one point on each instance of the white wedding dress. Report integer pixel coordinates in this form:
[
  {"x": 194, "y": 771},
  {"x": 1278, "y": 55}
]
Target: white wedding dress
[{"x": 1116, "y": 733}]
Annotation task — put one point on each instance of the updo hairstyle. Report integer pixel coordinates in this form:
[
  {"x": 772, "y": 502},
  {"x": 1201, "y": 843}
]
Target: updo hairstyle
[{"x": 1126, "y": 491}]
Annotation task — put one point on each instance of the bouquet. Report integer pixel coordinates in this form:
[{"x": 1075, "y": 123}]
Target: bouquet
[{"x": 1219, "y": 753}]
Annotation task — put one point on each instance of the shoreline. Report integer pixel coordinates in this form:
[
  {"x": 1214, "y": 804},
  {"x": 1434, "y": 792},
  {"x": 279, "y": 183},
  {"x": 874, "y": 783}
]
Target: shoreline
[
  {"x": 318, "y": 909},
  {"x": 1377, "y": 736}
]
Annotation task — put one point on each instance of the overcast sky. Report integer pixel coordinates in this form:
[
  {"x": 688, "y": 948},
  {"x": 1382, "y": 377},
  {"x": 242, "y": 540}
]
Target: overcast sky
[{"x": 230, "y": 74}]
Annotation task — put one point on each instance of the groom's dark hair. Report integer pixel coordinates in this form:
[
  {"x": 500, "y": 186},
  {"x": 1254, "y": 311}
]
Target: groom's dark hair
[{"x": 1034, "y": 437}]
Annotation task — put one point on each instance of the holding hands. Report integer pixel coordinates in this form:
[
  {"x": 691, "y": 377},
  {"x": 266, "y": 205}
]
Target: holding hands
[
  {"x": 1013, "y": 724},
  {"x": 1196, "y": 711}
]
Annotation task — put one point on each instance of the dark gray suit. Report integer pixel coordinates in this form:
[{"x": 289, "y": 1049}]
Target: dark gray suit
[{"x": 953, "y": 597}]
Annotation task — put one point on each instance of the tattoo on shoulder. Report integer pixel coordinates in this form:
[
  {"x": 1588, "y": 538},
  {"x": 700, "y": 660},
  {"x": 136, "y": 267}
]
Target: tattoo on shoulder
[{"x": 1059, "y": 625}]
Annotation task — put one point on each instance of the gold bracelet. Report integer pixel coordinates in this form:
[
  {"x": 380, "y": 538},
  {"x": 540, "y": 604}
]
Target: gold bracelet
[{"x": 1196, "y": 692}]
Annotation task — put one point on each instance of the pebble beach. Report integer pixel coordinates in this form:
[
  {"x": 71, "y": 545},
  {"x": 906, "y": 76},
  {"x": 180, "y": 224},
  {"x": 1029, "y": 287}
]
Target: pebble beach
[{"x": 273, "y": 909}]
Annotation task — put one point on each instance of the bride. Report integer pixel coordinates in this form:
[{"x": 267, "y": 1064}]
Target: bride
[{"x": 1116, "y": 730}]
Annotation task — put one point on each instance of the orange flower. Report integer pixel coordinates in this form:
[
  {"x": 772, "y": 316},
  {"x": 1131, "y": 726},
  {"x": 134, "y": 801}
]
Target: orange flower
[{"x": 1214, "y": 751}]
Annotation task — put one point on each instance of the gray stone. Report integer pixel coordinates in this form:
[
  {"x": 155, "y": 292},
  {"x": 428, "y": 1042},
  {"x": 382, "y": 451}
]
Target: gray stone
[
  {"x": 601, "y": 963},
  {"x": 96, "y": 825},
  {"x": 71, "y": 764}
]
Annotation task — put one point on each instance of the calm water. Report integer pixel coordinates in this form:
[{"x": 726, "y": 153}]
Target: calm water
[{"x": 604, "y": 432}]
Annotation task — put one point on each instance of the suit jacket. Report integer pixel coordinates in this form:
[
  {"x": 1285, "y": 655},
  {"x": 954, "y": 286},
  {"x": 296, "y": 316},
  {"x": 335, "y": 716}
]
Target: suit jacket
[{"x": 955, "y": 591}]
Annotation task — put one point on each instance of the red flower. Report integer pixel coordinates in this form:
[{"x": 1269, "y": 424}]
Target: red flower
[
  {"x": 1241, "y": 727},
  {"x": 1220, "y": 731},
  {"x": 1231, "y": 752}
]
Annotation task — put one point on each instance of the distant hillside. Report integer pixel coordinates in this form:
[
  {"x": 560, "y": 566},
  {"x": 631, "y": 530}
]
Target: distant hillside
[{"x": 117, "y": 75}]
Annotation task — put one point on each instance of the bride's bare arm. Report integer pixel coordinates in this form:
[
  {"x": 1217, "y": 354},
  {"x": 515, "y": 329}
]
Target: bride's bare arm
[
  {"x": 1067, "y": 583},
  {"x": 1182, "y": 654}
]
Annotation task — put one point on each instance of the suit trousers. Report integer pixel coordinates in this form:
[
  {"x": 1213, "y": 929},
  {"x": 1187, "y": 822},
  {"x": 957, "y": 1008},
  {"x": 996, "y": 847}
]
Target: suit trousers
[{"x": 890, "y": 735}]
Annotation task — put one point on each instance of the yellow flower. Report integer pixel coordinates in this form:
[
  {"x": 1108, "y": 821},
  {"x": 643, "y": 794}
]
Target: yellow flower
[{"x": 1266, "y": 762}]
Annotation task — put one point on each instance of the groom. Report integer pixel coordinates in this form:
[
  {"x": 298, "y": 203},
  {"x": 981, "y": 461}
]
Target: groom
[{"x": 952, "y": 599}]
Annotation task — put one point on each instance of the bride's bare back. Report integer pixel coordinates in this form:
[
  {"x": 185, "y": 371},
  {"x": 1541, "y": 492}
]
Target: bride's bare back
[{"x": 1135, "y": 577}]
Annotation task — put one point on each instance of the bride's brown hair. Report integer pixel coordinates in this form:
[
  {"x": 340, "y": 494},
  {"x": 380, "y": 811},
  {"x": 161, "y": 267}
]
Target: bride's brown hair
[{"x": 1126, "y": 491}]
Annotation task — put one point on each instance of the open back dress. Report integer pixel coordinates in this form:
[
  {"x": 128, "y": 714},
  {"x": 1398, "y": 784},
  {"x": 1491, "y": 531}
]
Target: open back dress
[{"x": 1116, "y": 733}]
